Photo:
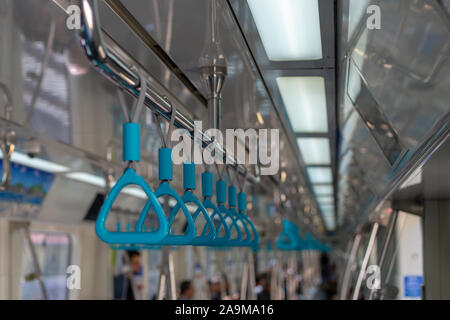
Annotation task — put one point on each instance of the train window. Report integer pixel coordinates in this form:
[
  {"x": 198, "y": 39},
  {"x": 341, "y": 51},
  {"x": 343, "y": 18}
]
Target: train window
[{"x": 53, "y": 252}]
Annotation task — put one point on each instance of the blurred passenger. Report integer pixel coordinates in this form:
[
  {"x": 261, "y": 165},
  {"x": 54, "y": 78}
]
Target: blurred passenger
[
  {"x": 329, "y": 280},
  {"x": 215, "y": 288},
  {"x": 259, "y": 283},
  {"x": 128, "y": 285},
  {"x": 263, "y": 292},
  {"x": 187, "y": 290}
]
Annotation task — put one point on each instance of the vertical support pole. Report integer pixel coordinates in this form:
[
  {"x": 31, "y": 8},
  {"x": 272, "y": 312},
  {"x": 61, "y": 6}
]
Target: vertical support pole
[
  {"x": 244, "y": 282},
  {"x": 387, "y": 241},
  {"x": 436, "y": 241},
  {"x": 37, "y": 267},
  {"x": 273, "y": 281},
  {"x": 251, "y": 275},
  {"x": 291, "y": 277},
  {"x": 348, "y": 268},
  {"x": 167, "y": 287},
  {"x": 173, "y": 289},
  {"x": 362, "y": 272}
]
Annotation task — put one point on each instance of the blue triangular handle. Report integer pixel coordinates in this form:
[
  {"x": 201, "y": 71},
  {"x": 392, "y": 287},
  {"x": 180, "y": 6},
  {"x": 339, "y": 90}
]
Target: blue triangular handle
[
  {"x": 171, "y": 239},
  {"x": 132, "y": 247},
  {"x": 245, "y": 241},
  {"x": 218, "y": 240},
  {"x": 226, "y": 214},
  {"x": 287, "y": 240},
  {"x": 202, "y": 240},
  {"x": 254, "y": 244},
  {"x": 130, "y": 177}
]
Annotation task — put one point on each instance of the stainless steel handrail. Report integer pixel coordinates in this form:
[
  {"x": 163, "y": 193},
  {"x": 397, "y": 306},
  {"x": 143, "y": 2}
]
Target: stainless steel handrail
[{"x": 105, "y": 54}]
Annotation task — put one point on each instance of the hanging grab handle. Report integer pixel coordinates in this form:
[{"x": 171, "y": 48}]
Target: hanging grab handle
[
  {"x": 209, "y": 232},
  {"x": 242, "y": 206},
  {"x": 232, "y": 202},
  {"x": 221, "y": 196},
  {"x": 165, "y": 190},
  {"x": 130, "y": 178},
  {"x": 130, "y": 154},
  {"x": 288, "y": 239},
  {"x": 207, "y": 192}
]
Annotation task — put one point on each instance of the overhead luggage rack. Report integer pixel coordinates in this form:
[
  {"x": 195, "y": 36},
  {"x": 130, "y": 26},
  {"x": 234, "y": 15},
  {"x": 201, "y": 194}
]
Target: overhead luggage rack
[{"x": 113, "y": 62}]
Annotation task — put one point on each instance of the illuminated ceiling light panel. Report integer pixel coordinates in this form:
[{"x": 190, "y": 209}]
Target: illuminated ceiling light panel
[
  {"x": 323, "y": 190},
  {"x": 305, "y": 101},
  {"x": 289, "y": 29},
  {"x": 324, "y": 201},
  {"x": 36, "y": 163},
  {"x": 329, "y": 218},
  {"x": 330, "y": 223},
  {"x": 315, "y": 151},
  {"x": 328, "y": 212},
  {"x": 320, "y": 175}
]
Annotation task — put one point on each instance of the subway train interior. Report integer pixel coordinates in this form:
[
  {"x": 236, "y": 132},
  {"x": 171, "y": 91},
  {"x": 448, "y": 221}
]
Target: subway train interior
[{"x": 225, "y": 150}]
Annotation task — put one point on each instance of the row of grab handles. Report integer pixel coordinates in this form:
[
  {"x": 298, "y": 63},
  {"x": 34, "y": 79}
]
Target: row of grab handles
[
  {"x": 232, "y": 219},
  {"x": 290, "y": 239}
]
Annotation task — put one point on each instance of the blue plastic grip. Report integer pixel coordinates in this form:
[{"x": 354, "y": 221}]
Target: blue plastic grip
[
  {"x": 130, "y": 177},
  {"x": 242, "y": 202},
  {"x": 232, "y": 196},
  {"x": 222, "y": 225},
  {"x": 165, "y": 164},
  {"x": 207, "y": 184},
  {"x": 221, "y": 191},
  {"x": 205, "y": 239},
  {"x": 189, "y": 176},
  {"x": 165, "y": 189},
  {"x": 131, "y": 142}
]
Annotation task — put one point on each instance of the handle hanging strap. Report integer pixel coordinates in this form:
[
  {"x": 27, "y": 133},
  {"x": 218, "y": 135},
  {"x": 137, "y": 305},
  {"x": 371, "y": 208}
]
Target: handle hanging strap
[
  {"x": 138, "y": 104},
  {"x": 131, "y": 128},
  {"x": 165, "y": 139},
  {"x": 241, "y": 183}
]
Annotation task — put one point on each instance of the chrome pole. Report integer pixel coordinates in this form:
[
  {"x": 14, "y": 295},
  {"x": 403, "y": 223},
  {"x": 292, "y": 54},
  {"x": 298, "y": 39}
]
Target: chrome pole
[
  {"x": 362, "y": 272},
  {"x": 348, "y": 268},
  {"x": 37, "y": 267},
  {"x": 387, "y": 241}
]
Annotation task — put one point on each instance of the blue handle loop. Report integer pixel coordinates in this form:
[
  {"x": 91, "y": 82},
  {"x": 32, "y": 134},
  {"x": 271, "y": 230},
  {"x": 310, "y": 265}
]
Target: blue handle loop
[
  {"x": 288, "y": 239},
  {"x": 207, "y": 192},
  {"x": 221, "y": 195},
  {"x": 309, "y": 242},
  {"x": 218, "y": 240},
  {"x": 189, "y": 197},
  {"x": 164, "y": 189},
  {"x": 242, "y": 205},
  {"x": 232, "y": 201},
  {"x": 131, "y": 247},
  {"x": 131, "y": 141},
  {"x": 209, "y": 231},
  {"x": 242, "y": 229},
  {"x": 232, "y": 225},
  {"x": 131, "y": 178}
]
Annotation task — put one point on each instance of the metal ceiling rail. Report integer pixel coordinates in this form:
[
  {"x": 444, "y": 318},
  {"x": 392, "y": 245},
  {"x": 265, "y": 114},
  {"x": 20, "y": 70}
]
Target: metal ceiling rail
[{"x": 117, "y": 65}]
